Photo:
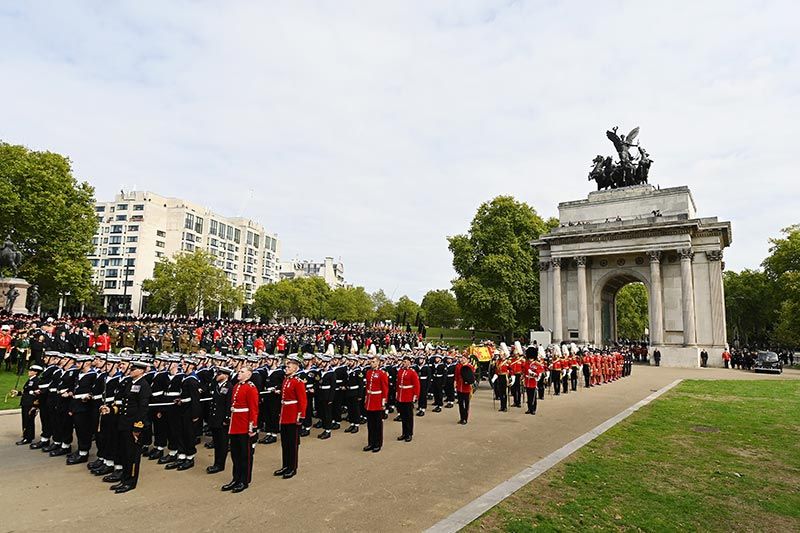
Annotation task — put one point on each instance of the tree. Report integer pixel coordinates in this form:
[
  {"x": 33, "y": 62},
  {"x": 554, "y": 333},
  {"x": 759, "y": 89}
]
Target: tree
[
  {"x": 750, "y": 308},
  {"x": 782, "y": 267},
  {"x": 632, "y": 317},
  {"x": 190, "y": 284},
  {"x": 406, "y": 310},
  {"x": 441, "y": 308},
  {"x": 297, "y": 297},
  {"x": 497, "y": 286},
  {"x": 349, "y": 304},
  {"x": 51, "y": 218},
  {"x": 384, "y": 308}
]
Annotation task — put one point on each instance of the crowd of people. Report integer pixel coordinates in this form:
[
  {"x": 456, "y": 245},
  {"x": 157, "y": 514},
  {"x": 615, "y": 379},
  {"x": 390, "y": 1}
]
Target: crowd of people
[{"x": 134, "y": 405}]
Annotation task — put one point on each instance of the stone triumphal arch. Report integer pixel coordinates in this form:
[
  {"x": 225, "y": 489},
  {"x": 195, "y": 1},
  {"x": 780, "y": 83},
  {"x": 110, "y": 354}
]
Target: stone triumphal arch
[{"x": 637, "y": 234}]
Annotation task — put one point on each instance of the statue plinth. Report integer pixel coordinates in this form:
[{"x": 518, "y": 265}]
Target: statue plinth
[{"x": 19, "y": 304}]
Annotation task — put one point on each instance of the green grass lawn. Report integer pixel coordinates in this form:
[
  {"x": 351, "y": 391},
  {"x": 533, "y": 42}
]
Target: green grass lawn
[
  {"x": 708, "y": 456},
  {"x": 459, "y": 337},
  {"x": 7, "y": 381}
]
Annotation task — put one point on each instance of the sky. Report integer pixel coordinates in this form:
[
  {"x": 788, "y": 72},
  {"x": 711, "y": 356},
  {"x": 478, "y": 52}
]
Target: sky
[{"x": 370, "y": 131}]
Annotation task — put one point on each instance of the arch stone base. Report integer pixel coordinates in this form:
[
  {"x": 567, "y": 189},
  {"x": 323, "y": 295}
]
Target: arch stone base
[{"x": 644, "y": 234}]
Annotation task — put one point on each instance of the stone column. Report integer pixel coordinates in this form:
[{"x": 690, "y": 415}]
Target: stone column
[
  {"x": 656, "y": 302},
  {"x": 583, "y": 310},
  {"x": 557, "y": 328},
  {"x": 687, "y": 296},
  {"x": 544, "y": 308},
  {"x": 714, "y": 258}
]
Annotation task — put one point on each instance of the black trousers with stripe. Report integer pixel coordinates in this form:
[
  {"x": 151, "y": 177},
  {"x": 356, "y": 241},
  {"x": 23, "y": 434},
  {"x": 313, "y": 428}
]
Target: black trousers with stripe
[
  {"x": 290, "y": 442},
  {"x": 242, "y": 458},
  {"x": 375, "y": 428}
]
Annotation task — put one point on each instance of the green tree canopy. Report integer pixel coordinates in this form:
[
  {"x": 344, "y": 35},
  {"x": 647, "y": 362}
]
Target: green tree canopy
[
  {"x": 407, "y": 310},
  {"x": 349, "y": 304},
  {"x": 782, "y": 266},
  {"x": 297, "y": 297},
  {"x": 191, "y": 283},
  {"x": 497, "y": 287},
  {"x": 632, "y": 317},
  {"x": 383, "y": 306},
  {"x": 51, "y": 218},
  {"x": 441, "y": 308},
  {"x": 750, "y": 309}
]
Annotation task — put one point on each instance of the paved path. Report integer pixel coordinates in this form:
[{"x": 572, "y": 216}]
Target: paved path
[{"x": 408, "y": 486}]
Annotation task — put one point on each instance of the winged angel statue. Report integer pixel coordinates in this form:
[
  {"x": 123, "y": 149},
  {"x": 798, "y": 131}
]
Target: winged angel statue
[{"x": 632, "y": 169}]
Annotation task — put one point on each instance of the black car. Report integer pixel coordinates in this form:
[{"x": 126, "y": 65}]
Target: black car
[{"x": 768, "y": 362}]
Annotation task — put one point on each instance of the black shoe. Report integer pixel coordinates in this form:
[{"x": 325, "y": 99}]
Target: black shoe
[
  {"x": 268, "y": 439},
  {"x": 175, "y": 464},
  {"x": 533, "y": 412},
  {"x": 114, "y": 477},
  {"x": 437, "y": 409},
  {"x": 23, "y": 442},
  {"x": 448, "y": 406},
  {"x": 94, "y": 465},
  {"x": 336, "y": 425},
  {"x": 390, "y": 409},
  {"x": 401, "y": 437},
  {"x": 116, "y": 486},
  {"x": 367, "y": 448},
  {"x": 503, "y": 410},
  {"x": 213, "y": 469},
  {"x": 74, "y": 460},
  {"x": 408, "y": 438},
  {"x": 376, "y": 450},
  {"x": 324, "y": 435},
  {"x": 103, "y": 470},
  {"x": 362, "y": 420},
  {"x": 398, "y": 418},
  {"x": 228, "y": 486},
  {"x": 355, "y": 429},
  {"x": 145, "y": 450},
  {"x": 239, "y": 487},
  {"x": 349, "y": 429},
  {"x": 49, "y": 447},
  {"x": 186, "y": 465},
  {"x": 305, "y": 432},
  {"x": 166, "y": 459},
  {"x": 37, "y": 445},
  {"x": 420, "y": 413},
  {"x": 280, "y": 471},
  {"x": 289, "y": 474},
  {"x": 528, "y": 412},
  {"x": 155, "y": 453},
  {"x": 124, "y": 488},
  {"x": 61, "y": 451},
  {"x": 208, "y": 445},
  {"x": 318, "y": 425}
]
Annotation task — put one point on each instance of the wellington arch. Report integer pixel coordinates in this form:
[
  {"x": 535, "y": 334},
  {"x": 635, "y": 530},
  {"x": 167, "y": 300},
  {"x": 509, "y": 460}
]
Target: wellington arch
[{"x": 637, "y": 234}]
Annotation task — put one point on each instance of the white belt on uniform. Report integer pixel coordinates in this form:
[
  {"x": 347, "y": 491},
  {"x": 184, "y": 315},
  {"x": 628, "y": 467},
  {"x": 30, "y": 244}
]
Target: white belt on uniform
[
  {"x": 159, "y": 393},
  {"x": 406, "y": 386},
  {"x": 288, "y": 402},
  {"x": 239, "y": 409},
  {"x": 325, "y": 387},
  {"x": 172, "y": 394},
  {"x": 374, "y": 392},
  {"x": 354, "y": 387}
]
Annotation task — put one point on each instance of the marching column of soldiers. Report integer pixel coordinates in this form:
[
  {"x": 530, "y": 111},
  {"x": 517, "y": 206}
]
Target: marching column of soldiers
[{"x": 135, "y": 407}]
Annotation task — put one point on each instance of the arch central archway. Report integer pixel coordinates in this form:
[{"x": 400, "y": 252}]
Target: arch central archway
[
  {"x": 606, "y": 288},
  {"x": 625, "y": 310}
]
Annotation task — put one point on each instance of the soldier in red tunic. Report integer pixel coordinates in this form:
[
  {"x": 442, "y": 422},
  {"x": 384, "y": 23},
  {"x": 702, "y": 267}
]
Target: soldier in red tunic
[
  {"x": 293, "y": 410},
  {"x": 464, "y": 380},
  {"x": 407, "y": 394},
  {"x": 377, "y": 392},
  {"x": 242, "y": 431},
  {"x": 533, "y": 372}
]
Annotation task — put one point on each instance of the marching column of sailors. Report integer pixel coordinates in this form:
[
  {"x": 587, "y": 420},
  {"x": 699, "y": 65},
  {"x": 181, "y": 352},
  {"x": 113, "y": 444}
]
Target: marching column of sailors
[{"x": 159, "y": 407}]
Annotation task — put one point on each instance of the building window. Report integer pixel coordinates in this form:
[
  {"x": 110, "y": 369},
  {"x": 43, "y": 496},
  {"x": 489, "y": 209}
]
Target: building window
[
  {"x": 130, "y": 262},
  {"x": 160, "y": 233},
  {"x": 222, "y": 228},
  {"x": 128, "y": 283},
  {"x": 131, "y": 250},
  {"x": 138, "y": 207},
  {"x": 256, "y": 240},
  {"x": 189, "y": 247},
  {"x": 113, "y": 250},
  {"x": 112, "y": 273},
  {"x": 188, "y": 237},
  {"x": 122, "y": 217},
  {"x": 213, "y": 227},
  {"x": 133, "y": 227},
  {"x": 110, "y": 284},
  {"x": 198, "y": 225},
  {"x": 159, "y": 254},
  {"x": 189, "y": 222},
  {"x": 100, "y": 208},
  {"x": 94, "y": 262},
  {"x": 122, "y": 207},
  {"x": 237, "y": 236},
  {"x": 229, "y": 235},
  {"x": 95, "y": 241},
  {"x": 115, "y": 239},
  {"x": 132, "y": 238},
  {"x": 116, "y": 229},
  {"x": 159, "y": 244}
]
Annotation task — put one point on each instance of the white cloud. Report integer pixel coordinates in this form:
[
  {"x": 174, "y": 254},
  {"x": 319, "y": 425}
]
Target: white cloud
[{"x": 372, "y": 130}]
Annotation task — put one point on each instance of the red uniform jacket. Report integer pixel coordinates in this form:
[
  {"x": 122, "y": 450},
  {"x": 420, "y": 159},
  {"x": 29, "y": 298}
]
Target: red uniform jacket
[
  {"x": 293, "y": 400},
  {"x": 103, "y": 343},
  {"x": 377, "y": 390},
  {"x": 259, "y": 345},
  {"x": 244, "y": 408},
  {"x": 280, "y": 344},
  {"x": 533, "y": 369},
  {"x": 407, "y": 385},
  {"x": 517, "y": 366},
  {"x": 460, "y": 385}
]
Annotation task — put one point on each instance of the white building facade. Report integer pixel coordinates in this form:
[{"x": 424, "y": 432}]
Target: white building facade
[
  {"x": 139, "y": 228},
  {"x": 329, "y": 270}
]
